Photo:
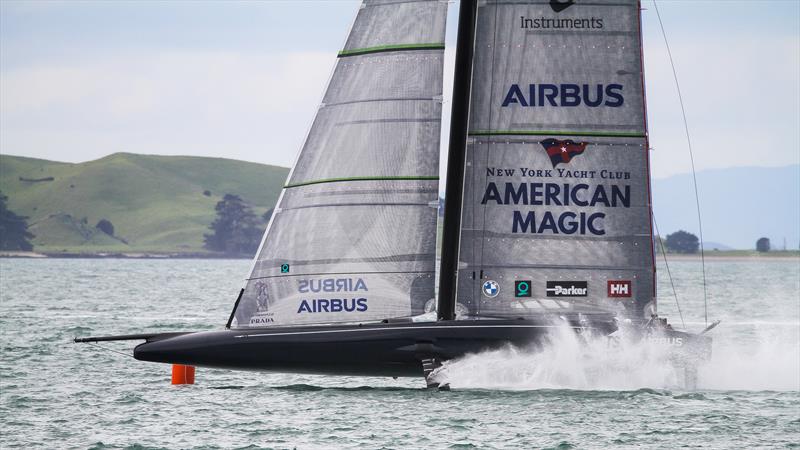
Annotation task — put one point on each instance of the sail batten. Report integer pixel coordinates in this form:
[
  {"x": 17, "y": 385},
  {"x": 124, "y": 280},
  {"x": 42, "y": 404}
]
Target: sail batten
[
  {"x": 391, "y": 48},
  {"x": 353, "y": 236},
  {"x": 348, "y": 179}
]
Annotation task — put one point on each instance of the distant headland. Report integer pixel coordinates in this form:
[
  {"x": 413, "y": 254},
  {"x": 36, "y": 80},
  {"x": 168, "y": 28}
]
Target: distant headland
[
  {"x": 132, "y": 205},
  {"x": 128, "y": 205}
]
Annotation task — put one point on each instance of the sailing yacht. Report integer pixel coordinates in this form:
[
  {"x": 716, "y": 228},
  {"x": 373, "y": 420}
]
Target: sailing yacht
[{"x": 547, "y": 218}]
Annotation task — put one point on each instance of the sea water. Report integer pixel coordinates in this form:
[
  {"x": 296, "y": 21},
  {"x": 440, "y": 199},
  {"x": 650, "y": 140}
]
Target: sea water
[{"x": 569, "y": 394}]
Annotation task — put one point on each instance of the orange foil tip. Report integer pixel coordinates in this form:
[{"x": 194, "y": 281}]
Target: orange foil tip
[{"x": 182, "y": 374}]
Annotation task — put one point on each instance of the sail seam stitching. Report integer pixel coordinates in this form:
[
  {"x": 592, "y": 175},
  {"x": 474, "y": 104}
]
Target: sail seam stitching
[
  {"x": 554, "y": 133},
  {"x": 379, "y": 272},
  {"x": 390, "y": 48},
  {"x": 339, "y": 180}
]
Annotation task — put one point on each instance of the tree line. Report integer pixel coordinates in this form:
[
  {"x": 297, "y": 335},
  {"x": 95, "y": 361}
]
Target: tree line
[
  {"x": 237, "y": 230},
  {"x": 687, "y": 243},
  {"x": 14, "y": 234}
]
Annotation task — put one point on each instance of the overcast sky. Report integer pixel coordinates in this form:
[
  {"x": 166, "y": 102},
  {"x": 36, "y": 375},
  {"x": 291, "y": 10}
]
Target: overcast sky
[{"x": 242, "y": 80}]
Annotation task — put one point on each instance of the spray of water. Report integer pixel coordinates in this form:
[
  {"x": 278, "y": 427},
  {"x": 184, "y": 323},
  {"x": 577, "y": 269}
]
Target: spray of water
[
  {"x": 761, "y": 357},
  {"x": 566, "y": 360}
]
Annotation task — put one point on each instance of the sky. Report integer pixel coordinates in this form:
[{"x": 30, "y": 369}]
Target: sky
[{"x": 83, "y": 79}]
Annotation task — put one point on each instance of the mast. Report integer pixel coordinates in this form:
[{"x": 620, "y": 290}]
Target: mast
[{"x": 454, "y": 189}]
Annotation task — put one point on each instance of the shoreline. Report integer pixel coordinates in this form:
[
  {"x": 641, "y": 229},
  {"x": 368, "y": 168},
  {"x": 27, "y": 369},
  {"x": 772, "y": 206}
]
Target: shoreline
[
  {"x": 734, "y": 256},
  {"x": 119, "y": 255},
  {"x": 742, "y": 255}
]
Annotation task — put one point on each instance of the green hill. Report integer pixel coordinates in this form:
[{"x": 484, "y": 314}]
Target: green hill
[{"x": 156, "y": 203}]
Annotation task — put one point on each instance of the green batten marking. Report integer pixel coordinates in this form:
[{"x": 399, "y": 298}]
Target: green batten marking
[
  {"x": 390, "y": 48},
  {"x": 554, "y": 133},
  {"x": 338, "y": 180}
]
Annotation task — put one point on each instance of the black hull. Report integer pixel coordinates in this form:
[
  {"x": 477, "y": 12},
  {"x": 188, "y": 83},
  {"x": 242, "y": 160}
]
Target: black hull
[{"x": 392, "y": 349}]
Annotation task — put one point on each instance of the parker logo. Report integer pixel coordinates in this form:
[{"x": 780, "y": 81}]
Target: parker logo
[
  {"x": 559, "y": 6},
  {"x": 562, "y": 151},
  {"x": 619, "y": 288},
  {"x": 567, "y": 289}
]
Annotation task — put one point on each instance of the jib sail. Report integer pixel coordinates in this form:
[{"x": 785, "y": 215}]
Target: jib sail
[
  {"x": 556, "y": 206},
  {"x": 353, "y": 235}
]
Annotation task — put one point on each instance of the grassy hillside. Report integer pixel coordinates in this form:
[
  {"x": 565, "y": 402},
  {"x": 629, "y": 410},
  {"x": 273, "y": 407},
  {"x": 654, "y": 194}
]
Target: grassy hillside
[{"x": 156, "y": 203}]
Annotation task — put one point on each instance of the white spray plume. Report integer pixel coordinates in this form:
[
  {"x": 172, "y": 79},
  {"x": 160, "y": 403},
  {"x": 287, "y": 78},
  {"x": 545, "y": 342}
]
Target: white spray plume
[
  {"x": 566, "y": 360},
  {"x": 765, "y": 357}
]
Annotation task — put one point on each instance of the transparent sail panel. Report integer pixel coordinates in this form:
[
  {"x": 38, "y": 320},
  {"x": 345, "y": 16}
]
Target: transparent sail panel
[
  {"x": 354, "y": 234},
  {"x": 556, "y": 203}
]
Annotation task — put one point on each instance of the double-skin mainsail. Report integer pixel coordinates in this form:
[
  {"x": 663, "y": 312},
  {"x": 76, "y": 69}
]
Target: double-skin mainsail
[{"x": 556, "y": 204}]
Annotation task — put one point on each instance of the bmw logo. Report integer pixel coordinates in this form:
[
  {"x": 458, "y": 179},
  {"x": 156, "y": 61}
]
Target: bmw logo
[{"x": 491, "y": 289}]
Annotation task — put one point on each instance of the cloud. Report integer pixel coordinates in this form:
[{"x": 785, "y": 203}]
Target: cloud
[
  {"x": 742, "y": 101},
  {"x": 251, "y": 106},
  {"x": 741, "y": 94}
]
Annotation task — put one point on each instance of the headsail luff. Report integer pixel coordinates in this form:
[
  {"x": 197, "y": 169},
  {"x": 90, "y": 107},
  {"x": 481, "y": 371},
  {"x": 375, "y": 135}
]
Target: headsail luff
[
  {"x": 556, "y": 200},
  {"x": 353, "y": 235}
]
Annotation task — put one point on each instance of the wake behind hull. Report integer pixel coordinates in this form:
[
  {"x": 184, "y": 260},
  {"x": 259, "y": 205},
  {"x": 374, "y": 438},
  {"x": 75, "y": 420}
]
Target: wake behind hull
[{"x": 364, "y": 350}]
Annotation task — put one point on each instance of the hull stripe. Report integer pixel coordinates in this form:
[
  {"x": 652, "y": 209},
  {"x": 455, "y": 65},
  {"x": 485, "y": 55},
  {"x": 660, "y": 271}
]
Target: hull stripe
[{"x": 398, "y": 329}]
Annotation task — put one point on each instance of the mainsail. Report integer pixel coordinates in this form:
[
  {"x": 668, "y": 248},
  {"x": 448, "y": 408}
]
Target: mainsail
[
  {"x": 353, "y": 237},
  {"x": 556, "y": 209}
]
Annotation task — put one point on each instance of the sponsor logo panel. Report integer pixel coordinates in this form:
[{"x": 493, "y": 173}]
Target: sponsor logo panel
[
  {"x": 344, "y": 296},
  {"x": 562, "y": 151},
  {"x": 261, "y": 318},
  {"x": 262, "y": 315},
  {"x": 491, "y": 288},
  {"x": 564, "y": 95},
  {"x": 567, "y": 289},
  {"x": 522, "y": 288},
  {"x": 556, "y": 21},
  {"x": 665, "y": 341},
  {"x": 310, "y": 299},
  {"x": 579, "y": 198},
  {"x": 619, "y": 289}
]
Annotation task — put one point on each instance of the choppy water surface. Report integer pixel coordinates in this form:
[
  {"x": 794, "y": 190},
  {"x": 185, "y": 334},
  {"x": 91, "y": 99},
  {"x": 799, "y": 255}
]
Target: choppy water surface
[{"x": 56, "y": 394}]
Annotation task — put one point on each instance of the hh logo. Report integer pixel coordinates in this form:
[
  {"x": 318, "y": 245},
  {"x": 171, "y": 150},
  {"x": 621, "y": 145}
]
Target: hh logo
[{"x": 619, "y": 288}]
